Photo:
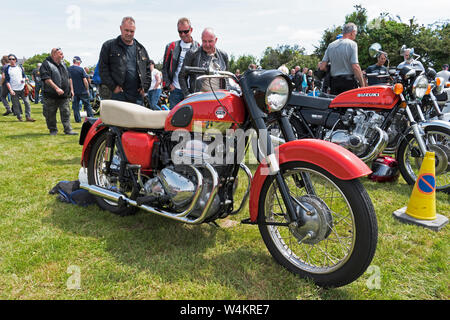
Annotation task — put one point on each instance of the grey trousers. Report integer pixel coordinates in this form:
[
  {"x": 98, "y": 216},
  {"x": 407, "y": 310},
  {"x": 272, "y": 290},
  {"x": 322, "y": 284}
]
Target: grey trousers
[
  {"x": 3, "y": 95},
  {"x": 50, "y": 107},
  {"x": 17, "y": 107}
]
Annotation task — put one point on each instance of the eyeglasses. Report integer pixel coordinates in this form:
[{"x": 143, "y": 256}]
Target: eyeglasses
[{"x": 184, "y": 31}]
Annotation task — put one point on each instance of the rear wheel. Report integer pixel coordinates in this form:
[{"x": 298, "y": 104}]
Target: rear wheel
[
  {"x": 337, "y": 242},
  {"x": 97, "y": 176}
]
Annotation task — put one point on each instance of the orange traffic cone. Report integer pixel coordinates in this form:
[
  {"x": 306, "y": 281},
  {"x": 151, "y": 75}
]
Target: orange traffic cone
[{"x": 421, "y": 209}]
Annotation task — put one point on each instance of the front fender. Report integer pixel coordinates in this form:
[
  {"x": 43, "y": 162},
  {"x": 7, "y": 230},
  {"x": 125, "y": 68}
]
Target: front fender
[
  {"x": 93, "y": 131},
  {"x": 436, "y": 122},
  {"x": 423, "y": 126},
  {"x": 329, "y": 156}
]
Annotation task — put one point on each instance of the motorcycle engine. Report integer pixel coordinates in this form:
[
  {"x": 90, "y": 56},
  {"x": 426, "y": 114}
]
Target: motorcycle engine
[
  {"x": 180, "y": 183},
  {"x": 362, "y": 127}
]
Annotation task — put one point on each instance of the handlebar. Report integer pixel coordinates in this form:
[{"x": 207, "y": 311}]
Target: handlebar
[
  {"x": 377, "y": 75},
  {"x": 197, "y": 70}
]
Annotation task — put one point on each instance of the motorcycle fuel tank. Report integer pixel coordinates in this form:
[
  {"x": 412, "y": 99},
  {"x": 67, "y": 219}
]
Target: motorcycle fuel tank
[
  {"x": 205, "y": 109},
  {"x": 373, "y": 97}
]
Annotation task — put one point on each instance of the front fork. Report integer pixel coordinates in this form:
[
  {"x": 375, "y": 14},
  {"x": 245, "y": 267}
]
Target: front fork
[
  {"x": 417, "y": 130},
  {"x": 294, "y": 216}
]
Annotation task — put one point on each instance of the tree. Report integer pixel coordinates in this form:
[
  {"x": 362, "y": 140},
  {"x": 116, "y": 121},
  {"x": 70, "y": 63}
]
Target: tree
[
  {"x": 30, "y": 64},
  {"x": 431, "y": 42},
  {"x": 242, "y": 62},
  {"x": 284, "y": 54}
]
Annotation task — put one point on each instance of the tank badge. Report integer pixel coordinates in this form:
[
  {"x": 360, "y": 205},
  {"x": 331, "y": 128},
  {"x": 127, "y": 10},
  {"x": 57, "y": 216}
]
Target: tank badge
[
  {"x": 368, "y": 95},
  {"x": 220, "y": 113}
]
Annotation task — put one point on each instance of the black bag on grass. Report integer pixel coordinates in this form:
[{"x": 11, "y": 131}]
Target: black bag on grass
[{"x": 70, "y": 192}]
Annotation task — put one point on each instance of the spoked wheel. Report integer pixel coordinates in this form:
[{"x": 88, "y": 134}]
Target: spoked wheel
[
  {"x": 337, "y": 242},
  {"x": 97, "y": 176},
  {"x": 437, "y": 140}
]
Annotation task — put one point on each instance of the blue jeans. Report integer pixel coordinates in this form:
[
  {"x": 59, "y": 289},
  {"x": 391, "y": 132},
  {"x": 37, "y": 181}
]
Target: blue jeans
[
  {"x": 76, "y": 106},
  {"x": 153, "y": 97},
  {"x": 37, "y": 91},
  {"x": 175, "y": 97}
]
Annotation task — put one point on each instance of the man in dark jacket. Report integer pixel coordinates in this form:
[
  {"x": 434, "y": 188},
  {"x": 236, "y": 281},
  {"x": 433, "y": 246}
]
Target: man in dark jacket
[
  {"x": 174, "y": 55},
  {"x": 58, "y": 91},
  {"x": 124, "y": 66},
  {"x": 206, "y": 56}
]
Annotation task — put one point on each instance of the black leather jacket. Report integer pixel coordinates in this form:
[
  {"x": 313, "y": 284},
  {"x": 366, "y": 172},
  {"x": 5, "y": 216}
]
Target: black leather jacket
[
  {"x": 113, "y": 64},
  {"x": 59, "y": 74},
  {"x": 199, "y": 58}
]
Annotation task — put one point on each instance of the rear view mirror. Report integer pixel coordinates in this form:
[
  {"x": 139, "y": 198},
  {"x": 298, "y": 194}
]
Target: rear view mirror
[{"x": 374, "y": 49}]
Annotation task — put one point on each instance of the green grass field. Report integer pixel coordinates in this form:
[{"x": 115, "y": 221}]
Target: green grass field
[{"x": 53, "y": 250}]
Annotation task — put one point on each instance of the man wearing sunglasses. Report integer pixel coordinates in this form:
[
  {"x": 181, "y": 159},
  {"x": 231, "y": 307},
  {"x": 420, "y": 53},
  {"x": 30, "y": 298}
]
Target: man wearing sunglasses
[
  {"x": 173, "y": 60},
  {"x": 15, "y": 82}
]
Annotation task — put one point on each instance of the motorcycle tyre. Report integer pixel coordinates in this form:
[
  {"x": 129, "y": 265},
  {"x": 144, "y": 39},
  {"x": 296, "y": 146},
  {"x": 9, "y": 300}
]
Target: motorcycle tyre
[
  {"x": 366, "y": 230},
  {"x": 102, "y": 203},
  {"x": 401, "y": 161}
]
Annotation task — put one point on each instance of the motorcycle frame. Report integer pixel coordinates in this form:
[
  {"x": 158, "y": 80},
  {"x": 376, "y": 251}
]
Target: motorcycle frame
[{"x": 312, "y": 151}]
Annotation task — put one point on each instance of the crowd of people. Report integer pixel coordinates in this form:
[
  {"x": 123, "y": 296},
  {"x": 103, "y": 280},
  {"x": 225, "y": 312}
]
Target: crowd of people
[{"x": 125, "y": 72}]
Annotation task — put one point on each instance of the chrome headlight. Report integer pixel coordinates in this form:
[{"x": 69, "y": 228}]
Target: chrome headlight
[
  {"x": 277, "y": 94},
  {"x": 440, "y": 84},
  {"x": 420, "y": 87}
]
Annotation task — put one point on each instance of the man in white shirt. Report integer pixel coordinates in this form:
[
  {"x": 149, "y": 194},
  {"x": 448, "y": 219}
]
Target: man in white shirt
[
  {"x": 173, "y": 60},
  {"x": 444, "y": 73},
  {"x": 15, "y": 82},
  {"x": 342, "y": 54},
  {"x": 155, "y": 88}
]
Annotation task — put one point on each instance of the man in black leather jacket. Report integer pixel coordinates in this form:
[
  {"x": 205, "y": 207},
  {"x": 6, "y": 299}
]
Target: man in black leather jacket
[
  {"x": 206, "y": 56},
  {"x": 124, "y": 66}
]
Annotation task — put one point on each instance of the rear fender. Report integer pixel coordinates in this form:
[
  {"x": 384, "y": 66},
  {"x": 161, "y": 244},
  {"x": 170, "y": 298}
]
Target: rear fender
[
  {"x": 88, "y": 139},
  {"x": 333, "y": 158}
]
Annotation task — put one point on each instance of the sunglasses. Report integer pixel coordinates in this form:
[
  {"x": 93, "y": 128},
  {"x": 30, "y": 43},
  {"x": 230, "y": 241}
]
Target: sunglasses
[
  {"x": 11, "y": 59},
  {"x": 184, "y": 31}
]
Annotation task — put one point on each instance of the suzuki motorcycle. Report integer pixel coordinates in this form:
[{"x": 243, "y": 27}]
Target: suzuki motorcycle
[
  {"x": 378, "y": 119},
  {"x": 315, "y": 217}
]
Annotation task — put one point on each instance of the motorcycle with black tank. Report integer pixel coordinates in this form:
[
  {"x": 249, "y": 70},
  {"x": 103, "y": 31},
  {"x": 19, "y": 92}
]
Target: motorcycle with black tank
[
  {"x": 378, "y": 119},
  {"x": 315, "y": 217}
]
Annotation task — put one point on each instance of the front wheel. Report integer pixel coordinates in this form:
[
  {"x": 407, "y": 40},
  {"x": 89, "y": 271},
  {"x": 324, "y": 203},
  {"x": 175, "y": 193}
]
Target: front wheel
[
  {"x": 409, "y": 157},
  {"x": 337, "y": 242}
]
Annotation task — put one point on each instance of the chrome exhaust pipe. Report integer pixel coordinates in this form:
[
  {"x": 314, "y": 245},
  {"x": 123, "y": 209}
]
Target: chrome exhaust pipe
[
  {"x": 183, "y": 216},
  {"x": 379, "y": 147}
]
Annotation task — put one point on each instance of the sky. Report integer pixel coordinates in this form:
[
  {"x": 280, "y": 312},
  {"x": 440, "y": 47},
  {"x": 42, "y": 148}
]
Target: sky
[{"x": 242, "y": 26}]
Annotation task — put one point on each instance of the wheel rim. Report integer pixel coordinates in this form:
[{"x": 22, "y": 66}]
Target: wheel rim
[
  {"x": 333, "y": 244},
  {"x": 442, "y": 157},
  {"x": 100, "y": 178}
]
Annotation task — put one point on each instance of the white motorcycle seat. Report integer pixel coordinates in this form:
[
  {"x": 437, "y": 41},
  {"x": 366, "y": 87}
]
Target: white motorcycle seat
[{"x": 130, "y": 115}]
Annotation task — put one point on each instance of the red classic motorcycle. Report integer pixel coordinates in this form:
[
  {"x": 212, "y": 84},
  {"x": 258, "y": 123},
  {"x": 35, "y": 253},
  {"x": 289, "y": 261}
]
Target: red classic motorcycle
[{"x": 314, "y": 215}]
